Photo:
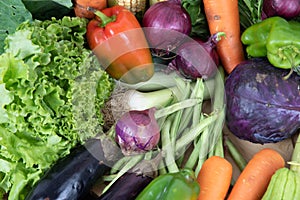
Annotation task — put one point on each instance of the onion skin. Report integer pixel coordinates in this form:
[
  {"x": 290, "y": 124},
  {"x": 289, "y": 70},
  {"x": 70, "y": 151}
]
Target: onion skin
[
  {"x": 169, "y": 24},
  {"x": 287, "y": 9},
  {"x": 210, "y": 46},
  {"x": 196, "y": 58},
  {"x": 137, "y": 131}
]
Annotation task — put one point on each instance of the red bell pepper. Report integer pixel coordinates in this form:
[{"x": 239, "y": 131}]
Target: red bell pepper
[{"x": 118, "y": 41}]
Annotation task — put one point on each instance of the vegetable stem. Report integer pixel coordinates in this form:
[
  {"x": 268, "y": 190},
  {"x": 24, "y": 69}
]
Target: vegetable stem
[
  {"x": 104, "y": 19},
  {"x": 130, "y": 164},
  {"x": 295, "y": 163},
  {"x": 191, "y": 134},
  {"x": 145, "y": 100},
  {"x": 203, "y": 153},
  {"x": 235, "y": 154},
  {"x": 175, "y": 107},
  {"x": 168, "y": 148}
]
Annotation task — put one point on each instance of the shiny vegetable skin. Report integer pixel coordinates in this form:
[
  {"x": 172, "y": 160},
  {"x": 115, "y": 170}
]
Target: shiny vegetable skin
[
  {"x": 223, "y": 16},
  {"x": 127, "y": 187},
  {"x": 180, "y": 185},
  {"x": 276, "y": 38},
  {"x": 73, "y": 176},
  {"x": 262, "y": 107},
  {"x": 119, "y": 42},
  {"x": 214, "y": 178},
  {"x": 253, "y": 181}
]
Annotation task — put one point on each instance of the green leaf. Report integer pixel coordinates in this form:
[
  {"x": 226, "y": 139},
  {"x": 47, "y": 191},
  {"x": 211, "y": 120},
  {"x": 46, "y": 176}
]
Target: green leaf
[
  {"x": 12, "y": 13},
  {"x": 20, "y": 45},
  {"x": 51, "y": 88},
  {"x": 250, "y": 12},
  {"x": 45, "y": 9},
  {"x": 198, "y": 19}
]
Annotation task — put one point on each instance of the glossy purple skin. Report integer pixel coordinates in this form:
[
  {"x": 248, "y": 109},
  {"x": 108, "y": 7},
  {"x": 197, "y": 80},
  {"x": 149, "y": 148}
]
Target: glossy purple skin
[
  {"x": 196, "y": 58},
  {"x": 283, "y": 8},
  {"x": 168, "y": 23},
  {"x": 193, "y": 61},
  {"x": 261, "y": 106}
]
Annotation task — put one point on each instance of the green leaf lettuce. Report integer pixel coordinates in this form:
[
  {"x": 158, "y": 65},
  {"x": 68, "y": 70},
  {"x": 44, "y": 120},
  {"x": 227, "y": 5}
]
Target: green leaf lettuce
[{"x": 52, "y": 90}]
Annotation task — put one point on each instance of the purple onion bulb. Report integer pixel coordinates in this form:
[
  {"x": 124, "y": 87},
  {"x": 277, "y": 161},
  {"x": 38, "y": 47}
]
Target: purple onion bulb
[
  {"x": 137, "y": 131},
  {"x": 166, "y": 24},
  {"x": 196, "y": 58},
  {"x": 284, "y": 8}
]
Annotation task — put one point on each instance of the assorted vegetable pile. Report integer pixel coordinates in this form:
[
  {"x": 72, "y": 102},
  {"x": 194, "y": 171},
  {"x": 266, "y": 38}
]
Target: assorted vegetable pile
[{"x": 110, "y": 99}]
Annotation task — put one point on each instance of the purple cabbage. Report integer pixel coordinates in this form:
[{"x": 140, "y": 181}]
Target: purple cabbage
[{"x": 262, "y": 107}]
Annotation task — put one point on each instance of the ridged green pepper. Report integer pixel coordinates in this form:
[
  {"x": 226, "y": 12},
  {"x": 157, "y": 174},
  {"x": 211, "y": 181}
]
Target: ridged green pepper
[
  {"x": 277, "y": 39},
  {"x": 181, "y": 185}
]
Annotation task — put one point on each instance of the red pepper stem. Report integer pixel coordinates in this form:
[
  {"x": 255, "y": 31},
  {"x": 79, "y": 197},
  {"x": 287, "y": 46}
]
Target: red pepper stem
[{"x": 104, "y": 19}]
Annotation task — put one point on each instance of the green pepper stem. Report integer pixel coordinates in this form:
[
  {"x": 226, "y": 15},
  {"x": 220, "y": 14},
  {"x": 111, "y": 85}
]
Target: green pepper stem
[
  {"x": 104, "y": 19},
  {"x": 291, "y": 58}
]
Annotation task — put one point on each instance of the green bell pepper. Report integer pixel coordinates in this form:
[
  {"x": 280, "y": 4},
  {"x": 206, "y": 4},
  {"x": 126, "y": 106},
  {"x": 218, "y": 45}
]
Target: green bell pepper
[
  {"x": 180, "y": 185},
  {"x": 277, "y": 39}
]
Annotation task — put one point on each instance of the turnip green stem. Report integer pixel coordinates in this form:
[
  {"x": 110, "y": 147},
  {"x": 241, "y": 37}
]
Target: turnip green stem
[
  {"x": 190, "y": 135},
  {"x": 199, "y": 88},
  {"x": 204, "y": 150},
  {"x": 235, "y": 154},
  {"x": 177, "y": 117},
  {"x": 119, "y": 164},
  {"x": 130, "y": 164},
  {"x": 191, "y": 162},
  {"x": 295, "y": 163},
  {"x": 168, "y": 148},
  {"x": 218, "y": 150},
  {"x": 175, "y": 107}
]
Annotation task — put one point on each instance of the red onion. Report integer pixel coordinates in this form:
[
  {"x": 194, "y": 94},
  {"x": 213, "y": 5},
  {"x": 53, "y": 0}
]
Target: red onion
[
  {"x": 197, "y": 59},
  {"x": 137, "y": 131},
  {"x": 166, "y": 24},
  {"x": 284, "y": 8}
]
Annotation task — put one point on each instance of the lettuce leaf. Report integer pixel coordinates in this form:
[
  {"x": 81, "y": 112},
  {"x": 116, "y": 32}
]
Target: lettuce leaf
[
  {"x": 52, "y": 90},
  {"x": 12, "y": 13}
]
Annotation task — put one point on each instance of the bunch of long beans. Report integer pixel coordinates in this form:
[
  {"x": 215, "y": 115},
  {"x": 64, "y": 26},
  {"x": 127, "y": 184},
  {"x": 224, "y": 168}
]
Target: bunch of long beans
[{"x": 189, "y": 135}]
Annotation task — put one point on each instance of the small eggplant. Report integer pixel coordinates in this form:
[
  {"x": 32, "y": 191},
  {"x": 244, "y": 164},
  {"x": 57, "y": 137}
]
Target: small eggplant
[{"x": 72, "y": 177}]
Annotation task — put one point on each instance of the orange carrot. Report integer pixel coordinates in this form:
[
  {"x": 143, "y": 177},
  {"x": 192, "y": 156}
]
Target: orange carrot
[
  {"x": 223, "y": 16},
  {"x": 254, "y": 179},
  {"x": 80, "y": 7},
  {"x": 214, "y": 178}
]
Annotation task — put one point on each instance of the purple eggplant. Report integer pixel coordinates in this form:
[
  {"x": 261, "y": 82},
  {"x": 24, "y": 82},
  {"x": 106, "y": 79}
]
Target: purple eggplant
[{"x": 72, "y": 177}]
